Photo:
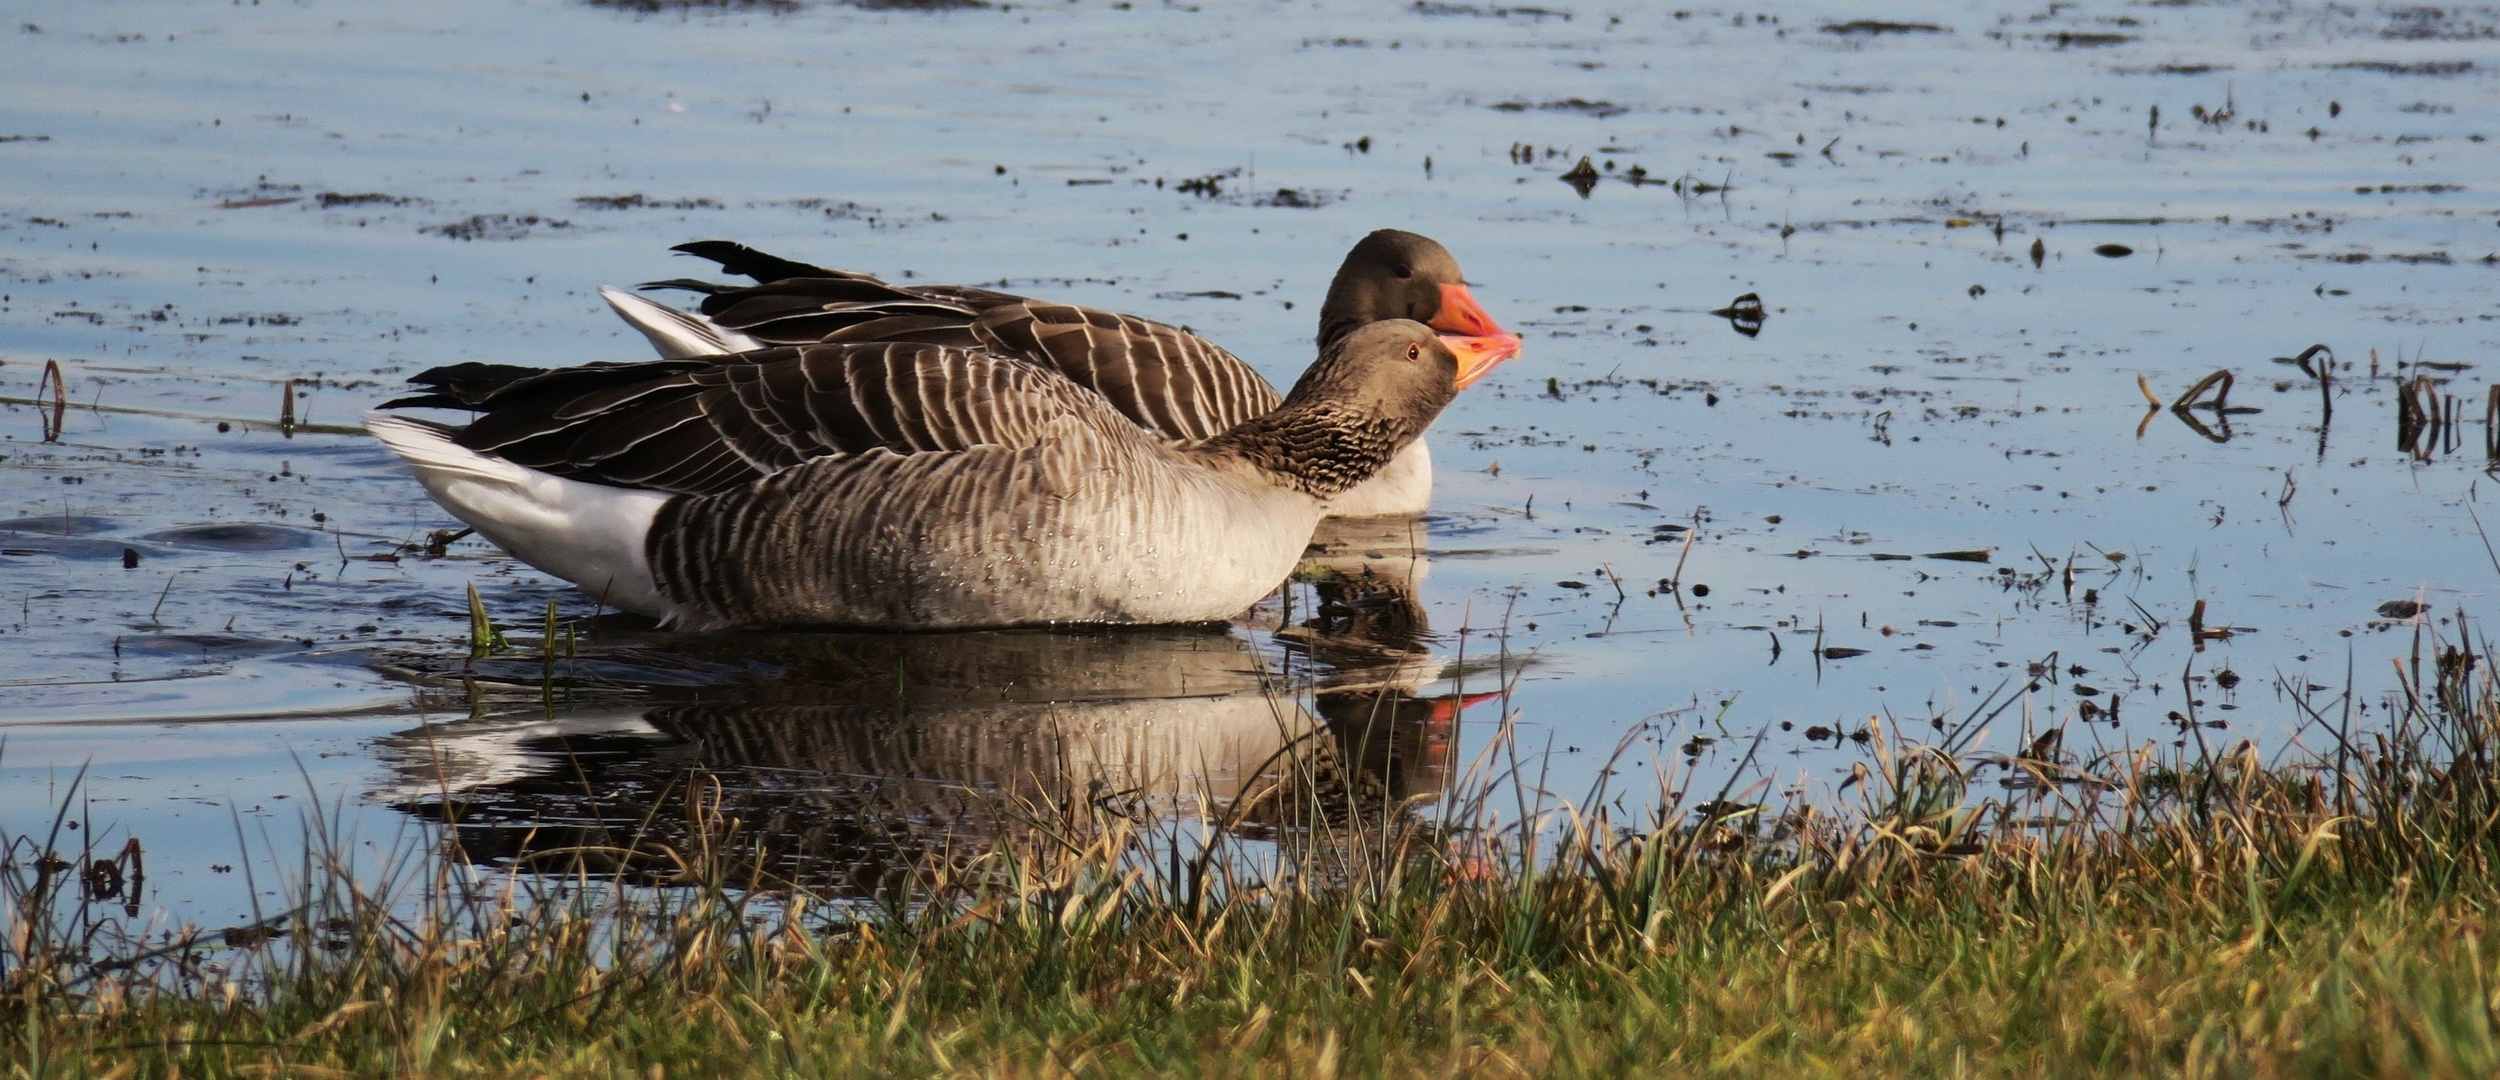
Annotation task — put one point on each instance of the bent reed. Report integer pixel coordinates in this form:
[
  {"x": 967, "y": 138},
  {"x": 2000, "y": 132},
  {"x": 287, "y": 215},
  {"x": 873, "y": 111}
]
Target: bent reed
[{"x": 2198, "y": 911}]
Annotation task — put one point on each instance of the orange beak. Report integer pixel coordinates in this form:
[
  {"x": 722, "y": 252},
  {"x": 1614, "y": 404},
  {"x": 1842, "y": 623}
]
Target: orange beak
[
  {"x": 1477, "y": 355},
  {"x": 1479, "y": 341},
  {"x": 1446, "y": 709}
]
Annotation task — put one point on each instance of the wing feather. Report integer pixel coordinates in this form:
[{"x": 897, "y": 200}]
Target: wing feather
[
  {"x": 1170, "y": 381},
  {"x": 666, "y": 427},
  {"x": 860, "y": 365}
]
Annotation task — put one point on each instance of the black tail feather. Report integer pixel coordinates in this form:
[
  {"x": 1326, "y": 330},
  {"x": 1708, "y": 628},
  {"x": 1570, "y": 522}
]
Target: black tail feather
[
  {"x": 474, "y": 385},
  {"x": 707, "y": 288},
  {"x": 424, "y": 401},
  {"x": 460, "y": 386},
  {"x": 737, "y": 258}
]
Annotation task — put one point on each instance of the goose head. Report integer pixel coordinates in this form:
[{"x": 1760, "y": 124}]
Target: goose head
[
  {"x": 1368, "y": 395},
  {"x": 1398, "y": 371},
  {"x": 1393, "y": 274}
]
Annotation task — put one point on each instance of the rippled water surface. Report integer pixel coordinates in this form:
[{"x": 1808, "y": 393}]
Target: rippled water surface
[{"x": 1932, "y": 476}]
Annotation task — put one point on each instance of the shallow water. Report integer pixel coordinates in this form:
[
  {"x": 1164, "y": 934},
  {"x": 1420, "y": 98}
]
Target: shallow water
[{"x": 204, "y": 201}]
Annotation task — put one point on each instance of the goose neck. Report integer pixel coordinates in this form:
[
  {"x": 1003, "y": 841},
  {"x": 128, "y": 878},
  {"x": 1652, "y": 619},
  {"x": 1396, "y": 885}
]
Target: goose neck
[{"x": 1320, "y": 448}]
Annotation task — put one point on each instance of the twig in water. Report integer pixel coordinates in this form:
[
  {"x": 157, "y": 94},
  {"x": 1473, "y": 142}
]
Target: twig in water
[
  {"x": 2152, "y": 625},
  {"x": 1678, "y": 576},
  {"x": 53, "y": 381},
  {"x": 160, "y": 596},
  {"x": 2420, "y": 417},
  {"x": 2491, "y": 425},
  {"x": 2201, "y": 633},
  {"x": 2326, "y": 395},
  {"x": 1818, "y": 646},
  {"x": 2222, "y": 392},
  {"x": 2478, "y": 531},
  {"x": 2324, "y": 372},
  {"x": 439, "y": 542},
  {"x": 2302, "y": 361}
]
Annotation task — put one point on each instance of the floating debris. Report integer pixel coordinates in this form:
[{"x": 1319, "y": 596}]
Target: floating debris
[
  {"x": 2424, "y": 67},
  {"x": 1296, "y": 199},
  {"x": 1208, "y": 186},
  {"x": 642, "y": 202},
  {"x": 332, "y": 200},
  {"x": 494, "y": 227},
  {"x": 655, "y": 7},
  {"x": 1744, "y": 314},
  {"x": 1437, "y": 7},
  {"x": 1877, "y": 27},
  {"x": 1582, "y": 177},
  {"x": 1977, "y": 555},
  {"x": 1583, "y": 106},
  {"x": 439, "y": 542}
]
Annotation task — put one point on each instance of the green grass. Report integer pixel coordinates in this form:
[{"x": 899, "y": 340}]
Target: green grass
[{"x": 2199, "y": 915}]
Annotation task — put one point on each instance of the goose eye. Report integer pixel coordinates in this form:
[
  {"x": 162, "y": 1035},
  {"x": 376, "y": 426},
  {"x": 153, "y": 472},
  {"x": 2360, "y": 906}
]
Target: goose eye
[
  {"x": 1406, "y": 271},
  {"x": 1414, "y": 352}
]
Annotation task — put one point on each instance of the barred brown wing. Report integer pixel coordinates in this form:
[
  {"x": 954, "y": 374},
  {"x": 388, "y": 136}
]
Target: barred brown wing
[
  {"x": 1174, "y": 383},
  {"x": 695, "y": 428}
]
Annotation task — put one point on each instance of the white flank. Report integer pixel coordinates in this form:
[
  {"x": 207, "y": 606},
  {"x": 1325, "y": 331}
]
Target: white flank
[
  {"x": 588, "y": 534},
  {"x": 1401, "y": 488},
  {"x": 676, "y": 334}
]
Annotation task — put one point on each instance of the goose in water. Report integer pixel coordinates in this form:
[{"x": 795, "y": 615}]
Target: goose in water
[
  {"x": 1172, "y": 382},
  {"x": 895, "y": 485}
]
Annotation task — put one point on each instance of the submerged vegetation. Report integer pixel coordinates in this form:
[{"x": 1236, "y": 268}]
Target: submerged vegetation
[{"x": 2199, "y": 912}]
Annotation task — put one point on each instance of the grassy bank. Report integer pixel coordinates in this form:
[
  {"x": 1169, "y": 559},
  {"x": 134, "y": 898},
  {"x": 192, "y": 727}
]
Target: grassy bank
[{"x": 2196, "y": 911}]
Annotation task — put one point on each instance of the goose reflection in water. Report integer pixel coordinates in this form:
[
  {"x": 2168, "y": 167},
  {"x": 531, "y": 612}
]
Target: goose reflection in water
[{"x": 845, "y": 759}]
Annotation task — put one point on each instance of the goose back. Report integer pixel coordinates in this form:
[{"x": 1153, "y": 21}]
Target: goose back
[
  {"x": 1168, "y": 380},
  {"x": 1171, "y": 382},
  {"x": 717, "y": 423}
]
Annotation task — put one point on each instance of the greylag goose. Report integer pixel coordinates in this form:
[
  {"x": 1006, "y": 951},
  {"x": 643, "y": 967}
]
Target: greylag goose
[
  {"x": 1172, "y": 382},
  {"x": 909, "y": 486}
]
